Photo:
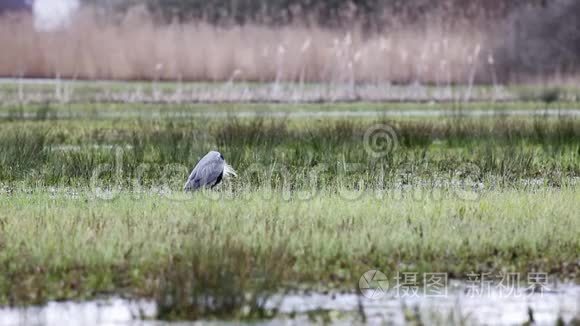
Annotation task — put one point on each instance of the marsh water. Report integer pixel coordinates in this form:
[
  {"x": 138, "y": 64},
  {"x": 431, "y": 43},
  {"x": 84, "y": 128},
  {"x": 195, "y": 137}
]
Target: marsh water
[
  {"x": 292, "y": 114},
  {"x": 559, "y": 303}
]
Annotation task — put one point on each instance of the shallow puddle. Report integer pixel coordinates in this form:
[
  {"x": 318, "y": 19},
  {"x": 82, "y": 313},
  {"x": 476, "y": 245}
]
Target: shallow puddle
[{"x": 459, "y": 306}]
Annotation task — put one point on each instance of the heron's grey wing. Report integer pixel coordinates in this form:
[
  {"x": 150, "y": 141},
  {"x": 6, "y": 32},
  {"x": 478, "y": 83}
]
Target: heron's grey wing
[{"x": 206, "y": 173}]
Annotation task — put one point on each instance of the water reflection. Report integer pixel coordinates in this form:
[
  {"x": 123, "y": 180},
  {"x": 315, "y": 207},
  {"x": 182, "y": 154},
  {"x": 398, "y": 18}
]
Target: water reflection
[{"x": 458, "y": 307}]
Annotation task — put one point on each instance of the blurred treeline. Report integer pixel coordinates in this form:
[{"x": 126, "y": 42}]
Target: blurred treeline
[{"x": 332, "y": 13}]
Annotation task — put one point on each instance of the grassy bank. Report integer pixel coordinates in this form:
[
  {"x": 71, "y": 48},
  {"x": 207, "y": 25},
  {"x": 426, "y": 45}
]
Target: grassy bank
[{"x": 73, "y": 245}]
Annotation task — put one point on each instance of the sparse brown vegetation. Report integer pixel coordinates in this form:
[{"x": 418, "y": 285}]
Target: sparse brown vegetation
[
  {"x": 136, "y": 48},
  {"x": 137, "y": 45}
]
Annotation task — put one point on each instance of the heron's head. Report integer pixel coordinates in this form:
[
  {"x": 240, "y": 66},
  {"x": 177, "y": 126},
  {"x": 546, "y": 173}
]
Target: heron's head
[
  {"x": 228, "y": 170},
  {"x": 216, "y": 154}
]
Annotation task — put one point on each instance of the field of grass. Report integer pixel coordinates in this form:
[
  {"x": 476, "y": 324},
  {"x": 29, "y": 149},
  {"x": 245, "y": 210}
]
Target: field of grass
[
  {"x": 58, "y": 246},
  {"x": 92, "y": 205}
]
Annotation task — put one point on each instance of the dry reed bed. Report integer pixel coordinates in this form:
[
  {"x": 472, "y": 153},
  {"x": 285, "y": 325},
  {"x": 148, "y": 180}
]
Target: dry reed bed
[{"x": 133, "y": 48}]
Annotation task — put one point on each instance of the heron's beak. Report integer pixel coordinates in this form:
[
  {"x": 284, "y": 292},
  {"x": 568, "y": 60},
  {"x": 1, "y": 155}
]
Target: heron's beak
[{"x": 229, "y": 171}]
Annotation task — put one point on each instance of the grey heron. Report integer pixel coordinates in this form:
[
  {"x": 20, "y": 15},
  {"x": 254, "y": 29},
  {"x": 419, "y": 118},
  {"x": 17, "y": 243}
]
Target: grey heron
[{"x": 209, "y": 172}]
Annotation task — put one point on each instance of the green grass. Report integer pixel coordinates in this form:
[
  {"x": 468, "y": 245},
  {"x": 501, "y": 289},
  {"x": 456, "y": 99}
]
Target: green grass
[
  {"x": 92, "y": 207},
  {"x": 68, "y": 152},
  {"x": 73, "y": 245}
]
